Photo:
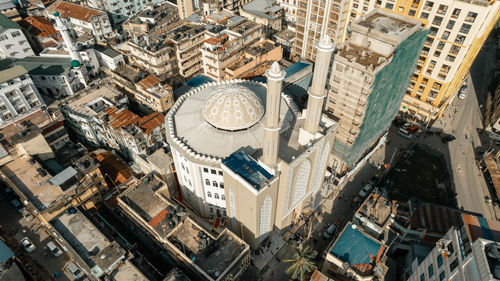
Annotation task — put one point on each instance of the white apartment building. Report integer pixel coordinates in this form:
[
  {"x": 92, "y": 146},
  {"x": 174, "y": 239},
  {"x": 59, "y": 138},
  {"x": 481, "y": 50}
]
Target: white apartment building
[
  {"x": 121, "y": 10},
  {"x": 18, "y": 95},
  {"x": 289, "y": 7},
  {"x": 465, "y": 253},
  {"x": 224, "y": 43},
  {"x": 84, "y": 21},
  {"x": 13, "y": 42},
  {"x": 458, "y": 30}
]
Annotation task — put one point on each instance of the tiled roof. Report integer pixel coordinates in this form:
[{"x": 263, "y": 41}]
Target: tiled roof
[
  {"x": 71, "y": 10},
  {"x": 121, "y": 118},
  {"x": 152, "y": 121},
  {"x": 38, "y": 26},
  {"x": 149, "y": 81}
]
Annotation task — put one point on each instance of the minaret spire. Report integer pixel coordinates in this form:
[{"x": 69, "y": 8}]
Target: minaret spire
[
  {"x": 272, "y": 124},
  {"x": 317, "y": 91},
  {"x": 68, "y": 42}
]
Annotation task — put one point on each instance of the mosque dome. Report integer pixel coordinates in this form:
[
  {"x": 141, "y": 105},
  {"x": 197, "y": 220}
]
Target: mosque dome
[{"x": 233, "y": 107}]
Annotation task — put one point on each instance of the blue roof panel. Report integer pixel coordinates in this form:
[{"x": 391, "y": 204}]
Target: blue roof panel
[
  {"x": 294, "y": 68},
  {"x": 246, "y": 167},
  {"x": 5, "y": 252},
  {"x": 354, "y": 247},
  {"x": 198, "y": 81}
]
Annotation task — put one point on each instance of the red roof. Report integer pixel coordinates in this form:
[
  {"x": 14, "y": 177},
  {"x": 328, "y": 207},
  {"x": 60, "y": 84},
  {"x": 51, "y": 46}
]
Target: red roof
[
  {"x": 38, "y": 26},
  {"x": 52, "y": 127},
  {"x": 149, "y": 81},
  {"x": 121, "y": 118},
  {"x": 72, "y": 10},
  {"x": 158, "y": 218}
]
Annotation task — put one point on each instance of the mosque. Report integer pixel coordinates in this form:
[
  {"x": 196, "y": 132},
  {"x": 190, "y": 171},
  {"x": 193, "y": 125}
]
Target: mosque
[{"x": 243, "y": 150}]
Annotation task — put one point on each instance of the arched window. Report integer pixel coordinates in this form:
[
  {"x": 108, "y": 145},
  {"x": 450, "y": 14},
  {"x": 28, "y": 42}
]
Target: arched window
[
  {"x": 216, "y": 196},
  {"x": 300, "y": 186},
  {"x": 221, "y": 185},
  {"x": 209, "y": 194},
  {"x": 320, "y": 167},
  {"x": 222, "y": 197},
  {"x": 265, "y": 216},
  {"x": 207, "y": 182},
  {"x": 214, "y": 183}
]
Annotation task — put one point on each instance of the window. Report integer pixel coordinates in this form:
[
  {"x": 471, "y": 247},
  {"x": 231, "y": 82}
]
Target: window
[
  {"x": 16, "y": 33},
  {"x": 205, "y": 170},
  {"x": 451, "y": 24},
  {"x": 471, "y": 17},
  {"x": 424, "y": 15},
  {"x": 430, "y": 270},
  {"x": 428, "y": 6},
  {"x": 222, "y": 197},
  {"x": 214, "y": 183},
  {"x": 221, "y": 185},
  {"x": 220, "y": 173},
  {"x": 182, "y": 165},
  {"x": 211, "y": 210},
  {"x": 437, "y": 54},
  {"x": 187, "y": 170},
  {"x": 453, "y": 265},
  {"x": 460, "y": 39},
  {"x": 465, "y": 28},
  {"x": 214, "y": 172},
  {"x": 440, "y": 45},
  {"x": 442, "y": 275},
  {"x": 440, "y": 261},
  {"x": 216, "y": 196},
  {"x": 442, "y": 9},
  {"x": 389, "y": 6},
  {"x": 3, "y": 37},
  {"x": 207, "y": 182},
  {"x": 445, "y": 36},
  {"x": 450, "y": 58},
  {"x": 422, "y": 277},
  {"x": 209, "y": 194},
  {"x": 455, "y": 13},
  {"x": 437, "y": 20}
]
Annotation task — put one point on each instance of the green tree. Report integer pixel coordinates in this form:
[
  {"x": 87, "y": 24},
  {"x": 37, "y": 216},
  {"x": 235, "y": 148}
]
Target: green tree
[{"x": 301, "y": 263}]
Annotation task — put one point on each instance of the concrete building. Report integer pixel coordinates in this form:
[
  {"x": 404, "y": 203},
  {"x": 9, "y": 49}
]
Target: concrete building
[
  {"x": 209, "y": 257},
  {"x": 268, "y": 134},
  {"x": 9, "y": 9},
  {"x": 81, "y": 112},
  {"x": 19, "y": 96},
  {"x": 187, "y": 7},
  {"x": 314, "y": 18},
  {"x": 465, "y": 253},
  {"x": 285, "y": 39},
  {"x": 120, "y": 11},
  {"x": 84, "y": 20},
  {"x": 109, "y": 58},
  {"x": 357, "y": 255},
  {"x": 265, "y": 12},
  {"x": 153, "y": 54},
  {"x": 54, "y": 77},
  {"x": 40, "y": 31},
  {"x": 368, "y": 80},
  {"x": 289, "y": 8},
  {"x": 149, "y": 93},
  {"x": 458, "y": 30},
  {"x": 223, "y": 44},
  {"x": 152, "y": 20},
  {"x": 187, "y": 40},
  {"x": 13, "y": 42}
]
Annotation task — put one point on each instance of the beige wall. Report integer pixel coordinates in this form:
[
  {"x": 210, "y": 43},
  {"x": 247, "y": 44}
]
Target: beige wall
[{"x": 36, "y": 146}]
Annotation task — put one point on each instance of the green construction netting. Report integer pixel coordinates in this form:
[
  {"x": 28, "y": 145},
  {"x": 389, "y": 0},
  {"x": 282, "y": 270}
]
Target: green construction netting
[{"x": 387, "y": 93}]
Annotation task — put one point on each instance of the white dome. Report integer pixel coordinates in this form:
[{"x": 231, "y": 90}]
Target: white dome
[{"x": 233, "y": 107}]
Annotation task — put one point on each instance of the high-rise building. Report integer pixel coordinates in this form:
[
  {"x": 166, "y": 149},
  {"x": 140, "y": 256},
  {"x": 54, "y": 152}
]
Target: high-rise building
[
  {"x": 469, "y": 252},
  {"x": 369, "y": 76},
  {"x": 289, "y": 8},
  {"x": 317, "y": 17},
  {"x": 270, "y": 169},
  {"x": 458, "y": 29}
]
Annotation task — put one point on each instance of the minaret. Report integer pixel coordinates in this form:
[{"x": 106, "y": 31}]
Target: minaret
[
  {"x": 272, "y": 124},
  {"x": 317, "y": 91},
  {"x": 63, "y": 29}
]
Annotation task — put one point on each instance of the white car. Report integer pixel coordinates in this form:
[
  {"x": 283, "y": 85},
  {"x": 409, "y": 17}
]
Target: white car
[
  {"x": 365, "y": 190},
  {"x": 462, "y": 92},
  {"x": 27, "y": 245},
  {"x": 51, "y": 246},
  {"x": 75, "y": 271}
]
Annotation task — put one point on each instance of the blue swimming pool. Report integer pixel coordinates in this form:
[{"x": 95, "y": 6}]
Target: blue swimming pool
[{"x": 354, "y": 247}]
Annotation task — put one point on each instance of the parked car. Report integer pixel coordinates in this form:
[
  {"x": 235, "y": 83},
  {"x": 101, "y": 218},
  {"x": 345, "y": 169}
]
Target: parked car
[
  {"x": 404, "y": 133},
  {"x": 373, "y": 180},
  {"x": 18, "y": 205},
  {"x": 27, "y": 245},
  {"x": 447, "y": 138},
  {"x": 51, "y": 247},
  {"x": 462, "y": 92},
  {"x": 75, "y": 271},
  {"x": 365, "y": 190},
  {"x": 330, "y": 231}
]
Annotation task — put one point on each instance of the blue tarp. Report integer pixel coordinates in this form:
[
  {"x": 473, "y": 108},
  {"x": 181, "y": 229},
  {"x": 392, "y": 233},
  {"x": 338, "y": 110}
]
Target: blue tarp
[{"x": 354, "y": 247}]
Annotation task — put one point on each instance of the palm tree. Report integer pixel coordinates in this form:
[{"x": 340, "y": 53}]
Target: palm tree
[{"x": 301, "y": 263}]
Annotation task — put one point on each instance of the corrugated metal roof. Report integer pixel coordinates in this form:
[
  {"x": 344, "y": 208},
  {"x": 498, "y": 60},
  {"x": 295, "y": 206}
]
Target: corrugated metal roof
[
  {"x": 6, "y": 23},
  {"x": 149, "y": 81},
  {"x": 63, "y": 176},
  {"x": 12, "y": 73},
  {"x": 71, "y": 10},
  {"x": 39, "y": 26}
]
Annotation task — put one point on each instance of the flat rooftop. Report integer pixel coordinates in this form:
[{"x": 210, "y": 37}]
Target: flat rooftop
[
  {"x": 212, "y": 255},
  {"x": 81, "y": 234},
  {"x": 128, "y": 272},
  {"x": 357, "y": 249},
  {"x": 246, "y": 167},
  {"x": 386, "y": 23},
  {"x": 377, "y": 209},
  {"x": 79, "y": 102},
  {"x": 33, "y": 185},
  {"x": 363, "y": 56},
  {"x": 159, "y": 213}
]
